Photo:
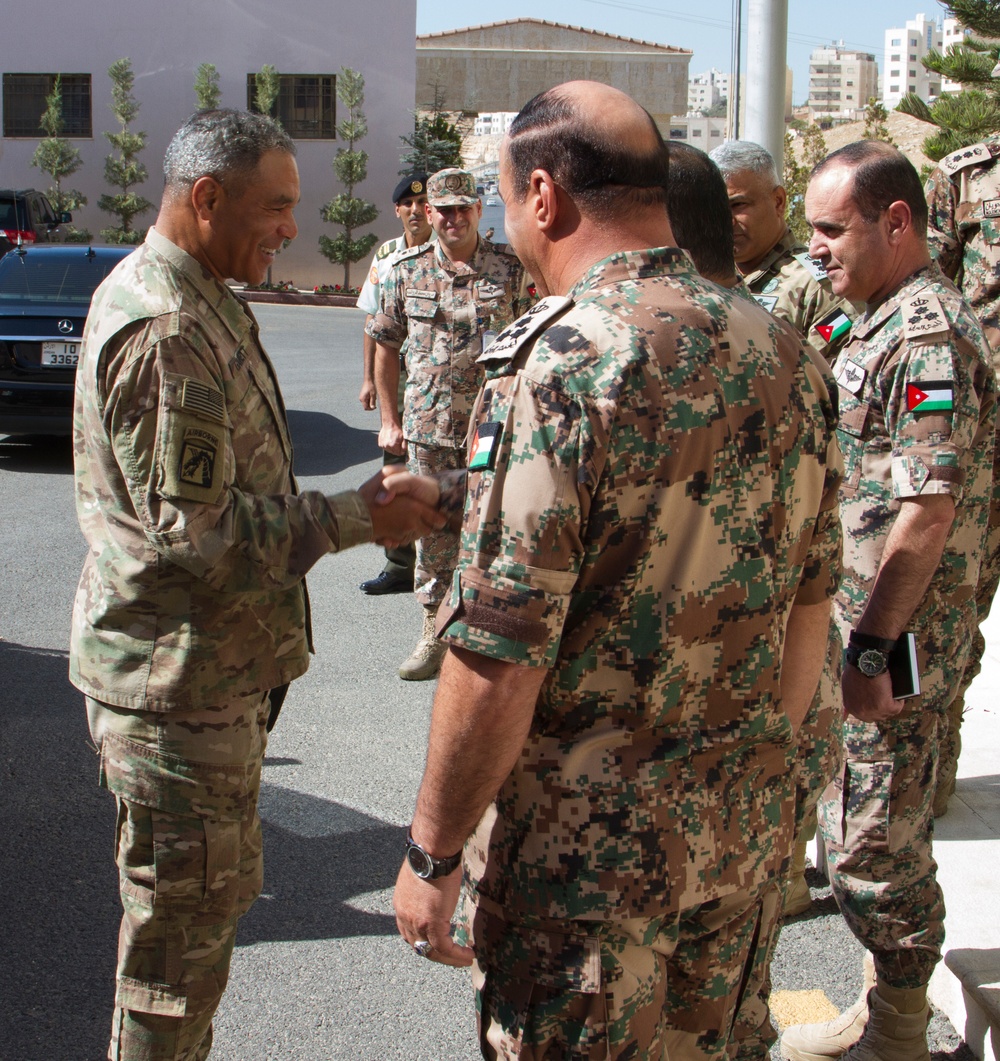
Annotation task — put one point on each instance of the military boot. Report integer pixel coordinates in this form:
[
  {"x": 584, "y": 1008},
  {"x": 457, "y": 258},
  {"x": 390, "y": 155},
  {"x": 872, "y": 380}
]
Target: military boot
[
  {"x": 797, "y": 897},
  {"x": 832, "y": 1039},
  {"x": 425, "y": 660},
  {"x": 897, "y": 1026}
]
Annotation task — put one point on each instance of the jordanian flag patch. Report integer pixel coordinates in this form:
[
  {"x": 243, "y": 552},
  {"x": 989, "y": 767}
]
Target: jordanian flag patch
[
  {"x": 484, "y": 446},
  {"x": 834, "y": 325},
  {"x": 929, "y": 397}
]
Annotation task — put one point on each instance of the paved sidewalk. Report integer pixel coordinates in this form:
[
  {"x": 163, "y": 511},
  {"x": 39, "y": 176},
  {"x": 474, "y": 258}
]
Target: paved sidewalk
[{"x": 966, "y": 986}]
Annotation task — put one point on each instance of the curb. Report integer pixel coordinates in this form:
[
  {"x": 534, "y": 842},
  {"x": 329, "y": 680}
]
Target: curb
[{"x": 298, "y": 298}]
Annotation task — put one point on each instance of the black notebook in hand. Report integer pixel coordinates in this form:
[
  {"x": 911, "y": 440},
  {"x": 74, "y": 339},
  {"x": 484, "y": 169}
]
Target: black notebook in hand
[{"x": 903, "y": 668}]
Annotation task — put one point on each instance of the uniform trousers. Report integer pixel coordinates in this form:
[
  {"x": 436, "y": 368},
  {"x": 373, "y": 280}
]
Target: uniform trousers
[
  {"x": 437, "y": 553},
  {"x": 656, "y": 988},
  {"x": 877, "y": 822},
  {"x": 190, "y": 864}
]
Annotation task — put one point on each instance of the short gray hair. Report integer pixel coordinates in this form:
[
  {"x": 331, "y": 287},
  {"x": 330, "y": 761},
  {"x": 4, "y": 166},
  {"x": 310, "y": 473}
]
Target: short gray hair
[
  {"x": 742, "y": 156},
  {"x": 224, "y": 144}
]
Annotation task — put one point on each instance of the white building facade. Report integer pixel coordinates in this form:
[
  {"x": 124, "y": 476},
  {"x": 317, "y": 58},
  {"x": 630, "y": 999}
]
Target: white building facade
[
  {"x": 306, "y": 45},
  {"x": 494, "y": 123},
  {"x": 952, "y": 32},
  {"x": 902, "y": 69},
  {"x": 707, "y": 90}
]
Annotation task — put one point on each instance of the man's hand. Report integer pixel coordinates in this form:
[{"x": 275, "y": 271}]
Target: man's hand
[
  {"x": 398, "y": 482},
  {"x": 390, "y": 438},
  {"x": 368, "y": 395},
  {"x": 869, "y": 699},
  {"x": 424, "y": 909},
  {"x": 400, "y": 517}
]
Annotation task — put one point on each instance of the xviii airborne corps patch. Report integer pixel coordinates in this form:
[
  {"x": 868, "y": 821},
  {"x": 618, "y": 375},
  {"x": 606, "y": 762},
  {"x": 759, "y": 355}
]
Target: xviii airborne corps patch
[{"x": 198, "y": 456}]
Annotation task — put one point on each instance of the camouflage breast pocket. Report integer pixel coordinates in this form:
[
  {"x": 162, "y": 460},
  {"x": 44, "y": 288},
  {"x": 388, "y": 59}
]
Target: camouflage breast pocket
[
  {"x": 191, "y": 440},
  {"x": 421, "y": 309},
  {"x": 851, "y": 433},
  {"x": 989, "y": 230}
]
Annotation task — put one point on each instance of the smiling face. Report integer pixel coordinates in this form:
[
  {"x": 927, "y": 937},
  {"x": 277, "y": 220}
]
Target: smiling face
[
  {"x": 456, "y": 228},
  {"x": 758, "y": 216},
  {"x": 250, "y": 225},
  {"x": 411, "y": 210},
  {"x": 856, "y": 254}
]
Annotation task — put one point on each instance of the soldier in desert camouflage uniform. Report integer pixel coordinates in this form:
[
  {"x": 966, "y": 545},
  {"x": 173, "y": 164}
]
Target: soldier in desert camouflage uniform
[
  {"x": 917, "y": 421},
  {"x": 447, "y": 301},
  {"x": 963, "y": 195},
  {"x": 190, "y": 614},
  {"x": 776, "y": 267},
  {"x": 611, "y": 698}
]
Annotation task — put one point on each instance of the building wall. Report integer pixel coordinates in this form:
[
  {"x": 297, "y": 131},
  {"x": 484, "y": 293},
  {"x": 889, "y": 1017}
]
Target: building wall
[
  {"x": 841, "y": 82},
  {"x": 499, "y": 67},
  {"x": 952, "y": 32},
  {"x": 238, "y": 37},
  {"x": 902, "y": 70}
]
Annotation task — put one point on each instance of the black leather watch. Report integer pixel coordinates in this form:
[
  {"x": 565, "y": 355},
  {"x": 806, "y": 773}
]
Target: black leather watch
[
  {"x": 425, "y": 865},
  {"x": 870, "y": 661}
]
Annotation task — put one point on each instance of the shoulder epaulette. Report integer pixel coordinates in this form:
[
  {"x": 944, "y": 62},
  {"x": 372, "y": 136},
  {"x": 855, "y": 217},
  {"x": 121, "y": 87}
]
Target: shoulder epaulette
[
  {"x": 965, "y": 156},
  {"x": 412, "y": 252},
  {"x": 922, "y": 315},
  {"x": 526, "y": 327},
  {"x": 387, "y": 248}
]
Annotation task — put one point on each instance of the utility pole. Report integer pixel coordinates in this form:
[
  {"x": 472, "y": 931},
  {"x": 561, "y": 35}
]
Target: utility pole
[
  {"x": 737, "y": 72},
  {"x": 767, "y": 43}
]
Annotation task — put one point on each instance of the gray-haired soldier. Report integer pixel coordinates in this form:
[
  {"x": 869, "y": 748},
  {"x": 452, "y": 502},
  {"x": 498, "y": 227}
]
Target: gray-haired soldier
[{"x": 190, "y": 618}]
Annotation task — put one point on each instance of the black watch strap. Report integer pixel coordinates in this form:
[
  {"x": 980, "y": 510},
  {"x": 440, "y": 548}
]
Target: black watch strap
[
  {"x": 883, "y": 644},
  {"x": 431, "y": 868}
]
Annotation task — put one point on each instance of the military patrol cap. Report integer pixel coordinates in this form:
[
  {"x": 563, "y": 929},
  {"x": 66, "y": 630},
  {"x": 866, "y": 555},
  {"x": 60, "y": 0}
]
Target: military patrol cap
[
  {"x": 411, "y": 184},
  {"x": 452, "y": 187}
]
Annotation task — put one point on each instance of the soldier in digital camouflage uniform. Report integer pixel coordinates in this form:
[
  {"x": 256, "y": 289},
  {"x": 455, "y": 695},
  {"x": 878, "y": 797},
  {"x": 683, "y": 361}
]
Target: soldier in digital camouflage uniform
[
  {"x": 781, "y": 275},
  {"x": 447, "y": 301},
  {"x": 611, "y": 699},
  {"x": 409, "y": 199},
  {"x": 190, "y": 617},
  {"x": 963, "y": 195},
  {"x": 917, "y": 422}
]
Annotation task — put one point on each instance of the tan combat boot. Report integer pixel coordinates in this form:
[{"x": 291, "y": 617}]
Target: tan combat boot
[
  {"x": 897, "y": 1026},
  {"x": 797, "y": 897},
  {"x": 832, "y": 1039},
  {"x": 425, "y": 660}
]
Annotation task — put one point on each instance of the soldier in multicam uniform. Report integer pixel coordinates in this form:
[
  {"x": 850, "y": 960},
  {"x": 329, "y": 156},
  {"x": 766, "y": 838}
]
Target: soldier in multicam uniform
[
  {"x": 447, "y": 301},
  {"x": 781, "y": 275},
  {"x": 410, "y": 200},
  {"x": 609, "y": 712},
  {"x": 917, "y": 422},
  {"x": 963, "y": 196},
  {"x": 190, "y": 615}
]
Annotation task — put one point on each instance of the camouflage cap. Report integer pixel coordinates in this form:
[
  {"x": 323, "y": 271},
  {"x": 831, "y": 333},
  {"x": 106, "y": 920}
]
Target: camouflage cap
[
  {"x": 411, "y": 184},
  {"x": 452, "y": 187}
]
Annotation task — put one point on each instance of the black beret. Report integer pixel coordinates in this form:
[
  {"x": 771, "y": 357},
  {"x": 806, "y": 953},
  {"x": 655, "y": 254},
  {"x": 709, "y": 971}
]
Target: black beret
[{"x": 411, "y": 184}]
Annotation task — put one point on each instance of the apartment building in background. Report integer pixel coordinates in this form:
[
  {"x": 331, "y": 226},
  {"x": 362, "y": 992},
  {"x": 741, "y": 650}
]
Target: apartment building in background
[
  {"x": 841, "y": 81},
  {"x": 952, "y": 32},
  {"x": 902, "y": 69},
  {"x": 707, "y": 90}
]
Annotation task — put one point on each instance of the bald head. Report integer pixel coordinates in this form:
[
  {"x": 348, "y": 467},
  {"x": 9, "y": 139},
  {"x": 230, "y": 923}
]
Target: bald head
[{"x": 596, "y": 142}]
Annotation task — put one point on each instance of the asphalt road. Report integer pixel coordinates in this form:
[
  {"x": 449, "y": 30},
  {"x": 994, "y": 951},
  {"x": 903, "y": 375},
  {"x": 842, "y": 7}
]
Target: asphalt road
[{"x": 319, "y": 972}]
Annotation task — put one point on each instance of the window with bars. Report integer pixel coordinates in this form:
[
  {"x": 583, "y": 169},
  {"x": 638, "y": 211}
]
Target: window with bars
[
  {"x": 306, "y": 106},
  {"x": 24, "y": 104}
]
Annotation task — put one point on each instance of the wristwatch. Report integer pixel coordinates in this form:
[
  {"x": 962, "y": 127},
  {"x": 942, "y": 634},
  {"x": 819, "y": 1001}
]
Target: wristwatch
[
  {"x": 868, "y": 653},
  {"x": 426, "y": 866}
]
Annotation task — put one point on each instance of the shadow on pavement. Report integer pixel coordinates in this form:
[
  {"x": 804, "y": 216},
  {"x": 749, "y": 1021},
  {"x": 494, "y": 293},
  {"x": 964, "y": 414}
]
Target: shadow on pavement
[
  {"x": 58, "y": 883},
  {"x": 36, "y": 454},
  {"x": 325, "y": 445}
]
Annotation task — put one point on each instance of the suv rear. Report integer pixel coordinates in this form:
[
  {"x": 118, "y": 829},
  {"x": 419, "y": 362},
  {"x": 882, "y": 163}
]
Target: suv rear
[{"x": 26, "y": 216}]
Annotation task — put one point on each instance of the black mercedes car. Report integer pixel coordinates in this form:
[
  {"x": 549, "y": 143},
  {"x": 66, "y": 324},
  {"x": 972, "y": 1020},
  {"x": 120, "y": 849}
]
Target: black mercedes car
[{"x": 45, "y": 294}]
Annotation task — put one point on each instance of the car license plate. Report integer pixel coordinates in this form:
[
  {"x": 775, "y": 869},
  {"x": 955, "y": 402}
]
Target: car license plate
[{"x": 60, "y": 355}]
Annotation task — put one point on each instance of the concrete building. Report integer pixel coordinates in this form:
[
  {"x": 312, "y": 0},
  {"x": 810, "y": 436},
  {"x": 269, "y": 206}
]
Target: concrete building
[
  {"x": 307, "y": 46},
  {"x": 902, "y": 70},
  {"x": 952, "y": 32},
  {"x": 841, "y": 81},
  {"x": 695, "y": 129},
  {"x": 707, "y": 90},
  {"x": 500, "y": 66},
  {"x": 493, "y": 123}
]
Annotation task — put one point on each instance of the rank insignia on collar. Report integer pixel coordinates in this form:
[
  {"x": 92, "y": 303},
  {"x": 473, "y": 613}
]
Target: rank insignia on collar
[
  {"x": 483, "y": 454},
  {"x": 851, "y": 376}
]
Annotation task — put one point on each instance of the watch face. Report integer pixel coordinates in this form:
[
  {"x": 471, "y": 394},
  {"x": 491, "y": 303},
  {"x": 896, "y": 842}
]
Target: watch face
[
  {"x": 871, "y": 662},
  {"x": 419, "y": 862}
]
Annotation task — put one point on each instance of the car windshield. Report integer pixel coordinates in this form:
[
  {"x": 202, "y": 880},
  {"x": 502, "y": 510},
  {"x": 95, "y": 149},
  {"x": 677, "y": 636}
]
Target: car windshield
[{"x": 61, "y": 278}]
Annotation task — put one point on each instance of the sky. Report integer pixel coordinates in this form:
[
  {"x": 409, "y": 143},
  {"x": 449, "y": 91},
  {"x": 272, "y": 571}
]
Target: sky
[{"x": 861, "y": 24}]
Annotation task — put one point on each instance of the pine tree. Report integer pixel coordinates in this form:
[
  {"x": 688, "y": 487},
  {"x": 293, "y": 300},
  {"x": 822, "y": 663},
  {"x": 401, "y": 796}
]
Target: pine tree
[
  {"x": 124, "y": 171},
  {"x": 57, "y": 157},
  {"x": 968, "y": 116},
  {"x": 436, "y": 142},
  {"x": 266, "y": 89},
  {"x": 351, "y": 168},
  {"x": 876, "y": 117},
  {"x": 206, "y": 87}
]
